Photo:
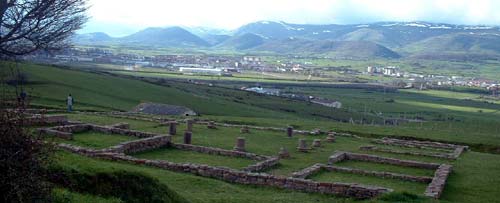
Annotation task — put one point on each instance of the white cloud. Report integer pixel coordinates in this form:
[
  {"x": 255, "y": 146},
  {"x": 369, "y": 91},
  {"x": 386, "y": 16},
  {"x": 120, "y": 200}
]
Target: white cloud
[{"x": 230, "y": 14}]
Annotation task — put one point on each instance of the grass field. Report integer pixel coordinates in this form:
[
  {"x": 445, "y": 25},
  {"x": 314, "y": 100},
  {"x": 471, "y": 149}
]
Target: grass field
[
  {"x": 180, "y": 156},
  {"x": 96, "y": 140},
  {"x": 460, "y": 117},
  {"x": 473, "y": 171}
]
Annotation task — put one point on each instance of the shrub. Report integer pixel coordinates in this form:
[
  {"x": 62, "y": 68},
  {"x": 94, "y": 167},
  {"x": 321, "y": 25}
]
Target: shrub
[
  {"x": 127, "y": 186},
  {"x": 23, "y": 158}
]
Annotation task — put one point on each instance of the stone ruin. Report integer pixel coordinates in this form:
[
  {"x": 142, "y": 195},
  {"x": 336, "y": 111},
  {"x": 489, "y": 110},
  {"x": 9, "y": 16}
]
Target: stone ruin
[
  {"x": 449, "y": 151},
  {"x": 284, "y": 154},
  {"x": 433, "y": 190},
  {"x": 247, "y": 176},
  {"x": 189, "y": 125},
  {"x": 187, "y": 137},
  {"x": 211, "y": 125},
  {"x": 44, "y": 120},
  {"x": 240, "y": 144},
  {"x": 67, "y": 131},
  {"x": 302, "y": 146},
  {"x": 316, "y": 143},
  {"x": 289, "y": 131},
  {"x": 331, "y": 136},
  {"x": 172, "y": 129},
  {"x": 245, "y": 129}
]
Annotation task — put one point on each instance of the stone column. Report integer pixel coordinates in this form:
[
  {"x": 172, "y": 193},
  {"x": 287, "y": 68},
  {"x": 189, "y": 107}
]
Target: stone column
[
  {"x": 316, "y": 143},
  {"x": 187, "y": 137},
  {"x": 283, "y": 154},
  {"x": 289, "y": 131},
  {"x": 245, "y": 129},
  {"x": 331, "y": 137},
  {"x": 172, "y": 128},
  {"x": 189, "y": 124},
  {"x": 240, "y": 144},
  {"x": 211, "y": 125},
  {"x": 302, "y": 146}
]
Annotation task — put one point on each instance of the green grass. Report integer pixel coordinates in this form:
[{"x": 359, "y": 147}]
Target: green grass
[
  {"x": 95, "y": 140},
  {"x": 451, "y": 116},
  {"x": 61, "y": 195},
  {"x": 397, "y": 185},
  {"x": 181, "y": 156},
  {"x": 472, "y": 171},
  {"x": 386, "y": 167}
]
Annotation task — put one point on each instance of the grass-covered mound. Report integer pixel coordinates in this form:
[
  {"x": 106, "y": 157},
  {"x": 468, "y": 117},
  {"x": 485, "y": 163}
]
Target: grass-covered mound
[{"x": 125, "y": 185}]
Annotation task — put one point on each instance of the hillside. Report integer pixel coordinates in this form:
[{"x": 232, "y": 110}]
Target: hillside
[
  {"x": 93, "y": 91},
  {"x": 92, "y": 38},
  {"x": 171, "y": 36},
  {"x": 354, "y": 49},
  {"x": 244, "y": 41},
  {"x": 379, "y": 40},
  {"x": 459, "y": 42}
]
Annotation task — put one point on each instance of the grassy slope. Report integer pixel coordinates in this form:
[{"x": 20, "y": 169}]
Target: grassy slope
[
  {"x": 64, "y": 196},
  {"x": 472, "y": 179},
  {"x": 100, "y": 92},
  {"x": 91, "y": 91}
]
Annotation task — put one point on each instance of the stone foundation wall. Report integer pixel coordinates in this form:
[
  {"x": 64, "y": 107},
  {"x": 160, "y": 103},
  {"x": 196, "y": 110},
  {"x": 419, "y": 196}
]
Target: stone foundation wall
[
  {"x": 55, "y": 133},
  {"x": 421, "y": 179},
  {"x": 67, "y": 130},
  {"x": 76, "y": 128},
  {"x": 304, "y": 173},
  {"x": 436, "y": 187},
  {"x": 40, "y": 120},
  {"x": 427, "y": 154},
  {"x": 221, "y": 152},
  {"x": 263, "y": 165},
  {"x": 80, "y": 150},
  {"x": 142, "y": 145},
  {"x": 259, "y": 179},
  {"x": 392, "y": 161},
  {"x": 337, "y": 157},
  {"x": 110, "y": 130},
  {"x": 120, "y": 125},
  {"x": 316, "y": 168},
  {"x": 418, "y": 144},
  {"x": 456, "y": 150}
]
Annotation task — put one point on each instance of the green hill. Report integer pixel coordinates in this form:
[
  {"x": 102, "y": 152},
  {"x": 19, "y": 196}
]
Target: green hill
[
  {"x": 458, "y": 42},
  {"x": 244, "y": 41},
  {"x": 49, "y": 86},
  {"x": 350, "y": 49}
]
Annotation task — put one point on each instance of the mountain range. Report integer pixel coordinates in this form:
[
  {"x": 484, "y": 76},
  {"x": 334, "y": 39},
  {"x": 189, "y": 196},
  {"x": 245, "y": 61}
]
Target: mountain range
[{"x": 375, "y": 40}]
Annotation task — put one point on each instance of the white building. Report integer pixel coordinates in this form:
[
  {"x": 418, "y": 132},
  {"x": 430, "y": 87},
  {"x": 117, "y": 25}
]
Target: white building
[
  {"x": 327, "y": 102},
  {"x": 201, "y": 71}
]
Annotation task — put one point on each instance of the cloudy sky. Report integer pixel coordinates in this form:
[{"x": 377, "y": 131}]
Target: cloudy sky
[{"x": 121, "y": 17}]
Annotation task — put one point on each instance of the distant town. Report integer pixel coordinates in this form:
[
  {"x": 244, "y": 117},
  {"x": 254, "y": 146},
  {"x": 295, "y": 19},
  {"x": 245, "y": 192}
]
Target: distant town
[{"x": 222, "y": 65}]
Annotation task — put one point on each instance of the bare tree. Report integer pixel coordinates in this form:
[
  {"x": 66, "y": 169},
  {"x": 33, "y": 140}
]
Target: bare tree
[
  {"x": 30, "y": 25},
  {"x": 27, "y": 26}
]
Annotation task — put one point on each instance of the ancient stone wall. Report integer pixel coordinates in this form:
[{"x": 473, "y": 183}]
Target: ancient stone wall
[
  {"x": 316, "y": 168},
  {"x": 40, "y": 120},
  {"x": 260, "y": 179},
  {"x": 141, "y": 145},
  {"x": 392, "y": 161},
  {"x": 421, "y": 179},
  {"x": 221, "y": 152},
  {"x": 450, "y": 151},
  {"x": 337, "y": 157},
  {"x": 306, "y": 172},
  {"x": 263, "y": 165},
  {"x": 436, "y": 187},
  {"x": 427, "y": 154}
]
